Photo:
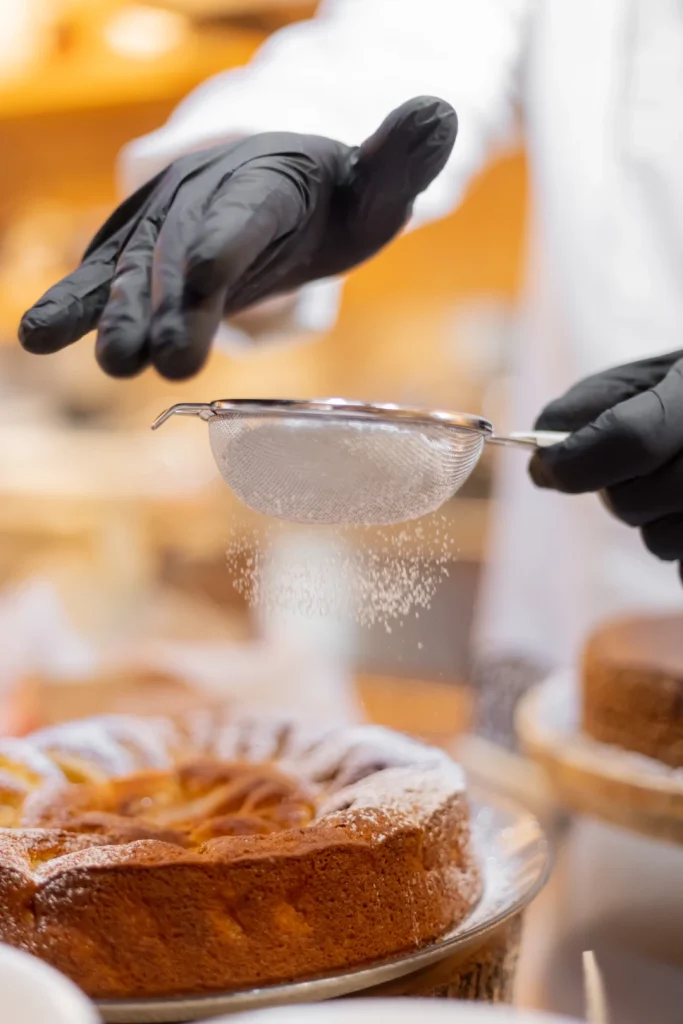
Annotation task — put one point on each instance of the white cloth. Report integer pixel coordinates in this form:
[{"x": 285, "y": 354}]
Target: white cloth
[{"x": 599, "y": 84}]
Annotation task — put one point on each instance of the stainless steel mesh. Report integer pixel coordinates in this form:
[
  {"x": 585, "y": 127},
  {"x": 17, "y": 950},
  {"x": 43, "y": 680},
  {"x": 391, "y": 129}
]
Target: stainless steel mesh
[{"x": 337, "y": 470}]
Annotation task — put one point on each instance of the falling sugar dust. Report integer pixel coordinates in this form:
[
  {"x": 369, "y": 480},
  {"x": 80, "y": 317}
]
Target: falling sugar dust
[{"x": 379, "y": 575}]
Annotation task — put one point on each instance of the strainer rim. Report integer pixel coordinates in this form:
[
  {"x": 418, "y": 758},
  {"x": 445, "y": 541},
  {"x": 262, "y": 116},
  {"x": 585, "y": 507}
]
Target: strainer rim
[{"x": 341, "y": 408}]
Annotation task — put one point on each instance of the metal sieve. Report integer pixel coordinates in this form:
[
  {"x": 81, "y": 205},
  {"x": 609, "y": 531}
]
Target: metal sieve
[{"x": 335, "y": 461}]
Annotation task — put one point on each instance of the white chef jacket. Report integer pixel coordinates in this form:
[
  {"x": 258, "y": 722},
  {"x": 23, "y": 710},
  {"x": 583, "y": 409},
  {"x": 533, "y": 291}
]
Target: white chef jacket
[{"x": 599, "y": 85}]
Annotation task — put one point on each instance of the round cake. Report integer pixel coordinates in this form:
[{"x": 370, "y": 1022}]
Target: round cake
[
  {"x": 146, "y": 857},
  {"x": 633, "y": 686}
]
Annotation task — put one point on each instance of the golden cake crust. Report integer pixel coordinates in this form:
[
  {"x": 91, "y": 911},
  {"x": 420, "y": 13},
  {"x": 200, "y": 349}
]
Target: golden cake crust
[
  {"x": 152, "y": 858},
  {"x": 633, "y": 686}
]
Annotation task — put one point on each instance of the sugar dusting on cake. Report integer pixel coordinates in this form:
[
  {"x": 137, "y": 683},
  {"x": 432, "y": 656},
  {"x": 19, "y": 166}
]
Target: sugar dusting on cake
[
  {"x": 90, "y": 740},
  {"x": 373, "y": 781},
  {"x": 29, "y": 758},
  {"x": 348, "y": 755},
  {"x": 407, "y": 795}
]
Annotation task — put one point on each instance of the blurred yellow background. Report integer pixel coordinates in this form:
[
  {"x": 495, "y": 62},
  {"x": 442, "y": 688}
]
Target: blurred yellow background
[{"x": 79, "y": 504}]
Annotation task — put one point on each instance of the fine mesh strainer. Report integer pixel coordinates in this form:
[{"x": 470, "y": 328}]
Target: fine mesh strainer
[{"x": 335, "y": 461}]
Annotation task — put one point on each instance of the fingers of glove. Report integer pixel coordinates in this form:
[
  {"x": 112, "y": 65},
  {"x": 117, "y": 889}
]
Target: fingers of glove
[
  {"x": 174, "y": 349},
  {"x": 189, "y": 347},
  {"x": 200, "y": 262},
  {"x": 633, "y": 439},
  {"x": 640, "y": 501},
  {"x": 184, "y": 187},
  {"x": 409, "y": 149},
  {"x": 73, "y": 306},
  {"x": 258, "y": 207},
  {"x": 584, "y": 402},
  {"x": 68, "y": 310},
  {"x": 122, "y": 348},
  {"x": 664, "y": 537}
]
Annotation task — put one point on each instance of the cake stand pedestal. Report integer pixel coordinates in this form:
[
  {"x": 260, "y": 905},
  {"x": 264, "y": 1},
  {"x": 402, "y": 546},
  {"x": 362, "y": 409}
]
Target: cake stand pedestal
[{"x": 484, "y": 972}]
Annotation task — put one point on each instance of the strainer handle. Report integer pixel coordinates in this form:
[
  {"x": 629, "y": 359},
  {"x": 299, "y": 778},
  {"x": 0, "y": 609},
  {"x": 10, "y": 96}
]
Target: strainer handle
[
  {"x": 531, "y": 440},
  {"x": 201, "y": 409}
]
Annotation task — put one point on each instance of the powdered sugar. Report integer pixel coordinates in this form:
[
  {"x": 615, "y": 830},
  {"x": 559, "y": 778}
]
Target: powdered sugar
[
  {"x": 380, "y": 576},
  {"x": 149, "y": 741},
  {"x": 89, "y": 740},
  {"x": 406, "y": 795},
  {"x": 28, "y": 759},
  {"x": 346, "y": 755}
]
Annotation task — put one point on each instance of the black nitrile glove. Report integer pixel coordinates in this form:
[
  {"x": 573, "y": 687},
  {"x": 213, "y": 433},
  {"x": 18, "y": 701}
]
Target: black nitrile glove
[
  {"x": 627, "y": 443},
  {"x": 222, "y": 229}
]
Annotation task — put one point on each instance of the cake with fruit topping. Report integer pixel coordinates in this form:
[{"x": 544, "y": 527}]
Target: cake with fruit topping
[{"x": 147, "y": 857}]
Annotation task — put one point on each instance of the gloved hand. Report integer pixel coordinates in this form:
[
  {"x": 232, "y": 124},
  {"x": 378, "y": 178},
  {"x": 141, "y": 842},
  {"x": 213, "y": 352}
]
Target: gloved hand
[
  {"x": 627, "y": 443},
  {"x": 222, "y": 229}
]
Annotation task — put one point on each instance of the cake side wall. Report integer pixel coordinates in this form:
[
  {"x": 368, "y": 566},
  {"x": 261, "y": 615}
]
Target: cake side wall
[{"x": 633, "y": 707}]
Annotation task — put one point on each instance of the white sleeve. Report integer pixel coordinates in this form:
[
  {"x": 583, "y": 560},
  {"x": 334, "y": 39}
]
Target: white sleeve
[{"x": 340, "y": 73}]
